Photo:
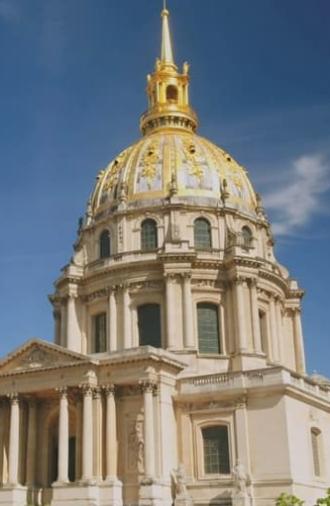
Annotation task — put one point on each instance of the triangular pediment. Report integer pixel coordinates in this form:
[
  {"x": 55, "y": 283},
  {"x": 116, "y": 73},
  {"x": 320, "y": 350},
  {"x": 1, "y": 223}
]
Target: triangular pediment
[{"x": 38, "y": 354}]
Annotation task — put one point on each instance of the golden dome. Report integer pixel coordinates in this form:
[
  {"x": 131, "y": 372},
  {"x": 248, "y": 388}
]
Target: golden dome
[
  {"x": 171, "y": 160},
  {"x": 174, "y": 163}
]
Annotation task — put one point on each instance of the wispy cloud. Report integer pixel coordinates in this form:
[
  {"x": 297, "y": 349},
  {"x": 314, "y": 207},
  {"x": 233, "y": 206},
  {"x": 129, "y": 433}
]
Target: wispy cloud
[
  {"x": 295, "y": 202},
  {"x": 9, "y": 11}
]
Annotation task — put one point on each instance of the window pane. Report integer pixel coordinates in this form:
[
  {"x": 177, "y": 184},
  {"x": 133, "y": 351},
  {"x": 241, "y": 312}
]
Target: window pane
[
  {"x": 149, "y": 325},
  {"x": 202, "y": 233},
  {"x": 149, "y": 235},
  {"x": 216, "y": 450},
  {"x": 105, "y": 244},
  {"x": 100, "y": 333},
  {"x": 208, "y": 328}
]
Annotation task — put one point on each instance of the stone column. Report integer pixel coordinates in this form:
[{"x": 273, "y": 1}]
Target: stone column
[
  {"x": 31, "y": 443},
  {"x": 126, "y": 318},
  {"x": 273, "y": 330},
  {"x": 112, "y": 320},
  {"x": 188, "y": 327},
  {"x": 148, "y": 389},
  {"x": 72, "y": 326},
  {"x": 78, "y": 438},
  {"x": 63, "y": 336},
  {"x": 255, "y": 316},
  {"x": 63, "y": 438},
  {"x": 241, "y": 326},
  {"x": 299, "y": 343},
  {"x": 87, "y": 436},
  {"x": 241, "y": 494},
  {"x": 97, "y": 429},
  {"x": 111, "y": 434},
  {"x": 13, "y": 440},
  {"x": 170, "y": 320},
  {"x": 279, "y": 324}
]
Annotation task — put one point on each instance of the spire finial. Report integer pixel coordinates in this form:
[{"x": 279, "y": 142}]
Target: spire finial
[{"x": 166, "y": 50}]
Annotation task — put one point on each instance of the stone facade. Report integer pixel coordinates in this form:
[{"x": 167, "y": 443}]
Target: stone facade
[{"x": 124, "y": 410}]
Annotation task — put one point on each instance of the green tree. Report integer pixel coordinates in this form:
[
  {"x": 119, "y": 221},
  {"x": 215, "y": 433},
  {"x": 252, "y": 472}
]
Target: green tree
[
  {"x": 291, "y": 500},
  {"x": 324, "y": 501}
]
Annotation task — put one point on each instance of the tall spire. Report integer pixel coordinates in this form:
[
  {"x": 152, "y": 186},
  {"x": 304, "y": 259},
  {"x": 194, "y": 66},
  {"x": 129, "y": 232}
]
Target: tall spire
[
  {"x": 168, "y": 90},
  {"x": 166, "y": 50}
]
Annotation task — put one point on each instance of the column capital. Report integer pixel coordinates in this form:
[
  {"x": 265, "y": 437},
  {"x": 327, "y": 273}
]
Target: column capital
[
  {"x": 62, "y": 391},
  {"x": 97, "y": 391},
  {"x": 13, "y": 397},
  {"x": 186, "y": 276},
  {"x": 109, "y": 390},
  {"x": 148, "y": 386},
  {"x": 87, "y": 390},
  {"x": 253, "y": 282}
]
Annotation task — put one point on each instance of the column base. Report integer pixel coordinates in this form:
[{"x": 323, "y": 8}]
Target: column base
[
  {"x": 111, "y": 492},
  {"x": 73, "y": 494},
  {"x": 184, "y": 500},
  {"x": 13, "y": 495},
  {"x": 154, "y": 493}
]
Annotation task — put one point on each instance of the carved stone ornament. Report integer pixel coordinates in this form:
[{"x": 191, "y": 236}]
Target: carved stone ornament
[
  {"x": 37, "y": 357},
  {"x": 135, "y": 446}
]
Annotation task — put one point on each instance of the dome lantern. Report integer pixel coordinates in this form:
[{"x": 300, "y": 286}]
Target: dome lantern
[{"x": 168, "y": 90}]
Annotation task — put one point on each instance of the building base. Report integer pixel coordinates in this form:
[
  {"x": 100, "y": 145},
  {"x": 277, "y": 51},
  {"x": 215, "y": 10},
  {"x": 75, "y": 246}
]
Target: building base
[
  {"x": 155, "y": 494},
  {"x": 74, "y": 494},
  {"x": 111, "y": 493},
  {"x": 13, "y": 496}
]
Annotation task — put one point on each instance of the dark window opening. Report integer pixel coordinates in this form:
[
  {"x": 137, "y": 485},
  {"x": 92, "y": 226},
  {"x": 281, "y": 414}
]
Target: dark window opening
[
  {"x": 105, "y": 244},
  {"x": 216, "y": 450},
  {"x": 100, "y": 332},
  {"x": 247, "y": 237},
  {"x": 172, "y": 93},
  {"x": 148, "y": 235},
  {"x": 149, "y": 325}
]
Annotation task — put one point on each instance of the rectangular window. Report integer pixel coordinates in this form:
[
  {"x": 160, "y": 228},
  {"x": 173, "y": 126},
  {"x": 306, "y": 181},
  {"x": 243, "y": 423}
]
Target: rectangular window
[
  {"x": 100, "y": 332},
  {"x": 216, "y": 450},
  {"x": 208, "y": 328}
]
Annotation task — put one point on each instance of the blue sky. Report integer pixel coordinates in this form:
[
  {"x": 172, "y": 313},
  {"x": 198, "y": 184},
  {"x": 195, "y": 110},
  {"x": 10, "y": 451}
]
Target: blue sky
[{"x": 72, "y": 89}]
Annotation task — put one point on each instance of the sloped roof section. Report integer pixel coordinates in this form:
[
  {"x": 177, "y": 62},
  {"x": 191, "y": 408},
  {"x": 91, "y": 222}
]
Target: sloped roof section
[{"x": 39, "y": 354}]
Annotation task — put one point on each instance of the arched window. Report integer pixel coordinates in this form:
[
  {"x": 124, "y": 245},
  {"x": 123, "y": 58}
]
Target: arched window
[
  {"x": 105, "y": 247},
  {"x": 316, "y": 437},
  {"x": 149, "y": 325},
  {"x": 216, "y": 450},
  {"x": 208, "y": 328},
  {"x": 100, "y": 333},
  {"x": 148, "y": 235},
  {"x": 202, "y": 234},
  {"x": 247, "y": 237},
  {"x": 172, "y": 93}
]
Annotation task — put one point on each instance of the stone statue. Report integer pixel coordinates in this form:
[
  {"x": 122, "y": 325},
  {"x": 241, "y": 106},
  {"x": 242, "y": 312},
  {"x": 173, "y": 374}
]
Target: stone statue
[
  {"x": 186, "y": 68},
  {"x": 139, "y": 441},
  {"x": 240, "y": 479},
  {"x": 179, "y": 476},
  {"x": 182, "y": 497}
]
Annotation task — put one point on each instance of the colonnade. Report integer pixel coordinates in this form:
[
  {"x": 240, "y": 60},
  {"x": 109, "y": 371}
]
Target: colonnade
[
  {"x": 243, "y": 288},
  {"x": 148, "y": 390}
]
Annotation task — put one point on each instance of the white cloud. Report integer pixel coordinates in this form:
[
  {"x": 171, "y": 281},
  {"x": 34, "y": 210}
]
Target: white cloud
[
  {"x": 296, "y": 201},
  {"x": 9, "y": 11}
]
